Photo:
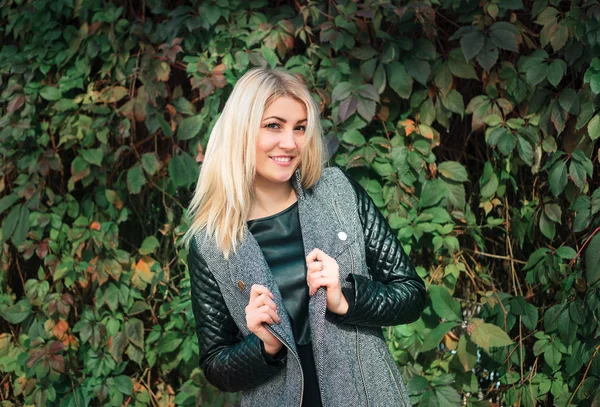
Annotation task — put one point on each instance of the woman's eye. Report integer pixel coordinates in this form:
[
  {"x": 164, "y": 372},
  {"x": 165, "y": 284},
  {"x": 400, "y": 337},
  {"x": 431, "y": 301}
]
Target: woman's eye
[
  {"x": 272, "y": 125},
  {"x": 303, "y": 128}
]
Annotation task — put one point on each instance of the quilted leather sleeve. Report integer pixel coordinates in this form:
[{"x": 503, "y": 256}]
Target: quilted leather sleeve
[
  {"x": 396, "y": 294},
  {"x": 230, "y": 362}
]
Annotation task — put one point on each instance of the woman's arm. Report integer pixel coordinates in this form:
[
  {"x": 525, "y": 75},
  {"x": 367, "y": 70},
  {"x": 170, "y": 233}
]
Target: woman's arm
[
  {"x": 396, "y": 294},
  {"x": 229, "y": 361}
]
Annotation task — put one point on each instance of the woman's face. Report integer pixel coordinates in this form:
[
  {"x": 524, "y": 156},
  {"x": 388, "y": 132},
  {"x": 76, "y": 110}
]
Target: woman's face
[{"x": 280, "y": 141}]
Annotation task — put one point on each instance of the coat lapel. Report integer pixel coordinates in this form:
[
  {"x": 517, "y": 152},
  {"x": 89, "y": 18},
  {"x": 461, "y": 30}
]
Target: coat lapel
[{"x": 249, "y": 267}]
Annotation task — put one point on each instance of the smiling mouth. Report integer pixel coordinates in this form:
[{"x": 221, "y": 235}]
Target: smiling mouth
[{"x": 282, "y": 159}]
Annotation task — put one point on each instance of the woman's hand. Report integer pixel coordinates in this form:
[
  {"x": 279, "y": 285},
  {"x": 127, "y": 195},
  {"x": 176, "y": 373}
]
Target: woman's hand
[
  {"x": 261, "y": 308},
  {"x": 323, "y": 271}
]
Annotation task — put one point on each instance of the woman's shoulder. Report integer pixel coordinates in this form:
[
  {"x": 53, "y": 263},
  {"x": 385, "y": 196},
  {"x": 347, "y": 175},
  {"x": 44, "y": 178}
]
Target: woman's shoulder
[{"x": 332, "y": 177}]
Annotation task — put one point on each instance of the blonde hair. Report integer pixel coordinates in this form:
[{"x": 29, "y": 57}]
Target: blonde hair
[{"x": 224, "y": 191}]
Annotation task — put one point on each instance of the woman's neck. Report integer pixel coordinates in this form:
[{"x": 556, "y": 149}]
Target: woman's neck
[{"x": 271, "y": 200}]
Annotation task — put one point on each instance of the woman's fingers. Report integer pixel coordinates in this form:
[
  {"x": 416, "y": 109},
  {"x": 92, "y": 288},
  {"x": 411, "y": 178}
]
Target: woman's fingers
[
  {"x": 316, "y": 255},
  {"x": 315, "y": 266},
  {"x": 258, "y": 289}
]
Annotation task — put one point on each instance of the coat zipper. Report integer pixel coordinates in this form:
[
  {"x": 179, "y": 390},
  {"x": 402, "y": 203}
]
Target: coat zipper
[
  {"x": 362, "y": 374},
  {"x": 275, "y": 334},
  {"x": 395, "y": 382}
]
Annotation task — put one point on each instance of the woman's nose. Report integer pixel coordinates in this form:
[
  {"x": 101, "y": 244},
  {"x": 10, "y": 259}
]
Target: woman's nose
[{"x": 287, "y": 139}]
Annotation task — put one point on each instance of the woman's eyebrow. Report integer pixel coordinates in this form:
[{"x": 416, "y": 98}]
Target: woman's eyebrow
[{"x": 281, "y": 119}]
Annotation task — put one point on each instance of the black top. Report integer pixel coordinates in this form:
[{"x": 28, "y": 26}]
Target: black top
[{"x": 280, "y": 239}]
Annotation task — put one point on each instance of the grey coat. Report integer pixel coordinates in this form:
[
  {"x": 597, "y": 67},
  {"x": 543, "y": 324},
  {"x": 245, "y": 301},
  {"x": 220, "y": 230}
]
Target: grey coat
[{"x": 354, "y": 365}]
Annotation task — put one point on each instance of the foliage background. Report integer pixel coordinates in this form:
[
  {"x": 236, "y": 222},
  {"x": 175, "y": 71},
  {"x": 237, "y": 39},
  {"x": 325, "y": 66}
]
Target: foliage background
[{"x": 472, "y": 123}]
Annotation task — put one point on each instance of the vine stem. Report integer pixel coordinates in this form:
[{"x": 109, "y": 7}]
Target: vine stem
[
  {"x": 583, "y": 246},
  {"x": 584, "y": 373}
]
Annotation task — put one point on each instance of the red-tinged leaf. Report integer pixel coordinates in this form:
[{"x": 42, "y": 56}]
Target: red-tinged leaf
[
  {"x": 15, "y": 103},
  {"x": 34, "y": 356},
  {"x": 57, "y": 362},
  {"x": 55, "y": 347},
  {"x": 347, "y": 107}
]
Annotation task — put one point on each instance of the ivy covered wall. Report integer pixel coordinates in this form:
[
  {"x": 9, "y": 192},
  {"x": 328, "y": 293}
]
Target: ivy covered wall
[{"x": 473, "y": 124}]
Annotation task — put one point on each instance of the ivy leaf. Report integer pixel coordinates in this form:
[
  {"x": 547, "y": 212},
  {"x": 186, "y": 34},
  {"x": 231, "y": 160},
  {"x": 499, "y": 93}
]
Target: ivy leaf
[
  {"x": 431, "y": 194},
  {"x": 559, "y": 34},
  {"x": 471, "y": 44},
  {"x": 467, "y": 353},
  {"x": 487, "y": 335},
  {"x": 443, "y": 303},
  {"x": 135, "y": 179},
  {"x": 150, "y": 163},
  {"x": 537, "y": 73},
  {"x": 547, "y": 227},
  {"x": 454, "y": 102},
  {"x": 50, "y": 93},
  {"x": 399, "y": 79},
  {"x": 453, "y": 170},
  {"x": 93, "y": 155},
  {"x": 553, "y": 212},
  {"x": 525, "y": 150},
  {"x": 15, "y": 314},
  {"x": 435, "y": 336},
  {"x": 555, "y": 72},
  {"x": 149, "y": 245},
  {"x": 569, "y": 101},
  {"x": 135, "y": 332},
  {"x": 592, "y": 260},
  {"x": 594, "y": 127},
  {"x": 189, "y": 128},
  {"x": 503, "y": 36},
  {"x": 354, "y": 137},
  {"x": 488, "y": 56},
  {"x": 558, "y": 177},
  {"x": 124, "y": 385},
  {"x": 488, "y": 181},
  {"x": 183, "y": 170}
]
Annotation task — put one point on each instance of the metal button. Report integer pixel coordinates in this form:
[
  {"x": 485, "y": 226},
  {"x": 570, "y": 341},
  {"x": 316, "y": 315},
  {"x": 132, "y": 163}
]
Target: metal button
[
  {"x": 241, "y": 285},
  {"x": 342, "y": 235}
]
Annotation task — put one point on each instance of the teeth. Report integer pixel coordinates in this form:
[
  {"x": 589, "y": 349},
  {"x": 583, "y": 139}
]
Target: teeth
[{"x": 282, "y": 159}]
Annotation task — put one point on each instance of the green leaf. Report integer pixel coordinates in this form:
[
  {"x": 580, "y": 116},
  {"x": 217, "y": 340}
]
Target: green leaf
[
  {"x": 342, "y": 91},
  {"x": 554, "y": 212},
  {"x": 135, "y": 332},
  {"x": 525, "y": 150},
  {"x": 559, "y": 34},
  {"x": 150, "y": 163},
  {"x": 354, "y": 137},
  {"x": 594, "y": 127},
  {"x": 453, "y": 170},
  {"x": 537, "y": 73},
  {"x": 149, "y": 245},
  {"x": 488, "y": 181},
  {"x": 50, "y": 93},
  {"x": 15, "y": 314},
  {"x": 488, "y": 56},
  {"x": 547, "y": 227},
  {"x": 454, "y": 102},
  {"x": 183, "y": 170},
  {"x": 471, "y": 44},
  {"x": 269, "y": 56},
  {"x": 443, "y": 303},
  {"x": 556, "y": 70},
  {"x": 93, "y": 155},
  {"x": 111, "y": 297},
  {"x": 592, "y": 260},
  {"x": 569, "y": 100},
  {"x": 558, "y": 177},
  {"x": 431, "y": 194},
  {"x": 399, "y": 79},
  {"x": 566, "y": 252},
  {"x": 503, "y": 38},
  {"x": 467, "y": 353},
  {"x": 435, "y": 336},
  {"x": 77, "y": 398},
  {"x": 447, "y": 396},
  {"x": 135, "y": 179},
  {"x": 507, "y": 143},
  {"x": 488, "y": 335},
  {"x": 8, "y": 201},
  {"x": 124, "y": 384},
  {"x": 190, "y": 127}
]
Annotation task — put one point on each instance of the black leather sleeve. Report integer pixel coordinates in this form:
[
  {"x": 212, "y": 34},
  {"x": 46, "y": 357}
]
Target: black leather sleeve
[
  {"x": 230, "y": 362},
  {"x": 396, "y": 294}
]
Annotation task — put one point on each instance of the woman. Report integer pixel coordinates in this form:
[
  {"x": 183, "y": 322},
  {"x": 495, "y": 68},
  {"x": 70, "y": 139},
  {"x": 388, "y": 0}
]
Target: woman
[{"x": 294, "y": 271}]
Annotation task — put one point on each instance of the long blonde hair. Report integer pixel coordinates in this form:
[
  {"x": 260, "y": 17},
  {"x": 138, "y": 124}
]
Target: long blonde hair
[{"x": 224, "y": 191}]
